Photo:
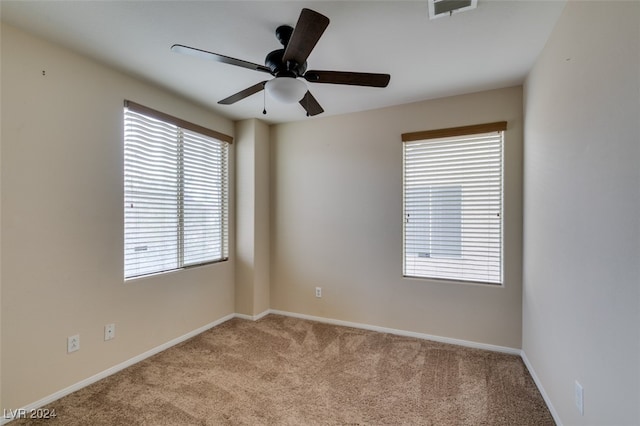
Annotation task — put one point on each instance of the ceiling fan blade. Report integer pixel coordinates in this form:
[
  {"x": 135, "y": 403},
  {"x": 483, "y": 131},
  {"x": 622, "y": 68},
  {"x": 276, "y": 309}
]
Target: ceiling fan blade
[
  {"x": 305, "y": 36},
  {"x": 310, "y": 104},
  {"x": 243, "y": 94},
  {"x": 179, "y": 48},
  {"x": 346, "y": 77}
]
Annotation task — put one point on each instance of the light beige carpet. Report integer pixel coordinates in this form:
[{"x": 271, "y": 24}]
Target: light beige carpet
[{"x": 287, "y": 371}]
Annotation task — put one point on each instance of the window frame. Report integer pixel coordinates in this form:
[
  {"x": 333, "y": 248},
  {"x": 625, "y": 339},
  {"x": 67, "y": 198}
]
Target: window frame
[
  {"x": 184, "y": 130},
  {"x": 443, "y": 134}
]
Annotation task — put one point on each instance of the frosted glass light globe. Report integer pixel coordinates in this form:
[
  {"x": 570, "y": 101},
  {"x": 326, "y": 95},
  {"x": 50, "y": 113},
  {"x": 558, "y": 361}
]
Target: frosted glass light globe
[{"x": 286, "y": 89}]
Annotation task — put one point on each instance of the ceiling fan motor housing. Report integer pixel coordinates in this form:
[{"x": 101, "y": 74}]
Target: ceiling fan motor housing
[
  {"x": 274, "y": 61},
  {"x": 279, "y": 68}
]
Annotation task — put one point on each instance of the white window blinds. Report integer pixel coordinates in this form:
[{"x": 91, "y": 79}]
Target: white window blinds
[
  {"x": 175, "y": 193},
  {"x": 453, "y": 204}
]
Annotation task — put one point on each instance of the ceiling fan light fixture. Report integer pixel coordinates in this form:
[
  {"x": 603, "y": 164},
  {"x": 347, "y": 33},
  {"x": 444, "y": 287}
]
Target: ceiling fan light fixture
[{"x": 287, "y": 90}]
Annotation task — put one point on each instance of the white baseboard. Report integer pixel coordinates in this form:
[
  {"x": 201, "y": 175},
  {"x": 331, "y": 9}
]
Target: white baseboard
[
  {"x": 459, "y": 342},
  {"x": 109, "y": 371},
  {"x": 538, "y": 383},
  {"x": 253, "y": 317},
  {"x": 244, "y": 317}
]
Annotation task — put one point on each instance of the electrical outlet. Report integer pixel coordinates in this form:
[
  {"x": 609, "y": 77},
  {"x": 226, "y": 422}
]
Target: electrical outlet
[
  {"x": 109, "y": 331},
  {"x": 579, "y": 397},
  {"x": 318, "y": 291},
  {"x": 73, "y": 343}
]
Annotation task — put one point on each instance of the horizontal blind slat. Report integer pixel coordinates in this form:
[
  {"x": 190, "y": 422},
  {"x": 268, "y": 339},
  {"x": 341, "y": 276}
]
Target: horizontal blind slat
[
  {"x": 452, "y": 208},
  {"x": 175, "y": 209}
]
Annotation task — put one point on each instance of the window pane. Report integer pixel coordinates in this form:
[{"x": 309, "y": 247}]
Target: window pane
[
  {"x": 446, "y": 221},
  {"x": 204, "y": 196},
  {"x": 175, "y": 196},
  {"x": 452, "y": 207},
  {"x": 151, "y": 194}
]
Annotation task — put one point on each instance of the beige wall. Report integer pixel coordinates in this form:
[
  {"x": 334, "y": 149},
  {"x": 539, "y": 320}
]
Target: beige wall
[
  {"x": 1, "y": 405},
  {"x": 581, "y": 318},
  {"x": 262, "y": 291},
  {"x": 62, "y": 225},
  {"x": 252, "y": 217},
  {"x": 336, "y": 222}
]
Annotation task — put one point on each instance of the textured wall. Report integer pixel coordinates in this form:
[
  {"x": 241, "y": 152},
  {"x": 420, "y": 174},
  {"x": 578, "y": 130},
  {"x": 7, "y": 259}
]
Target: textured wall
[
  {"x": 336, "y": 212},
  {"x": 62, "y": 225},
  {"x": 581, "y": 228},
  {"x": 252, "y": 225}
]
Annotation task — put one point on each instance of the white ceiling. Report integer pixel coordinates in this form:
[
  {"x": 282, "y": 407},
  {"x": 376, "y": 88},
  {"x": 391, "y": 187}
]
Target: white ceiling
[{"x": 489, "y": 47}]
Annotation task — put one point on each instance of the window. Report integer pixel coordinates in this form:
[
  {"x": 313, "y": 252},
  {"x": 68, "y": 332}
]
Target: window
[
  {"x": 175, "y": 193},
  {"x": 453, "y": 203},
  {"x": 439, "y": 222}
]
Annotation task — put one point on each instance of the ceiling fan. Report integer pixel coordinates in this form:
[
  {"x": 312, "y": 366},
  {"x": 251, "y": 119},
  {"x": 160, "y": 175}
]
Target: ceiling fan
[{"x": 289, "y": 64}]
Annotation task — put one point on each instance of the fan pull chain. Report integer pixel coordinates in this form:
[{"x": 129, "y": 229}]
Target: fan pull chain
[{"x": 264, "y": 101}]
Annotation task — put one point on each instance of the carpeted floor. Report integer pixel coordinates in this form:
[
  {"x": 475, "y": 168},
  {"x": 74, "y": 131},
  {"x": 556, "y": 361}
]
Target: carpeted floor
[{"x": 287, "y": 371}]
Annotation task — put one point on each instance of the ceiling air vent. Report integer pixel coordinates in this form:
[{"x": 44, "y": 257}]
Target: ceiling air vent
[{"x": 439, "y": 8}]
